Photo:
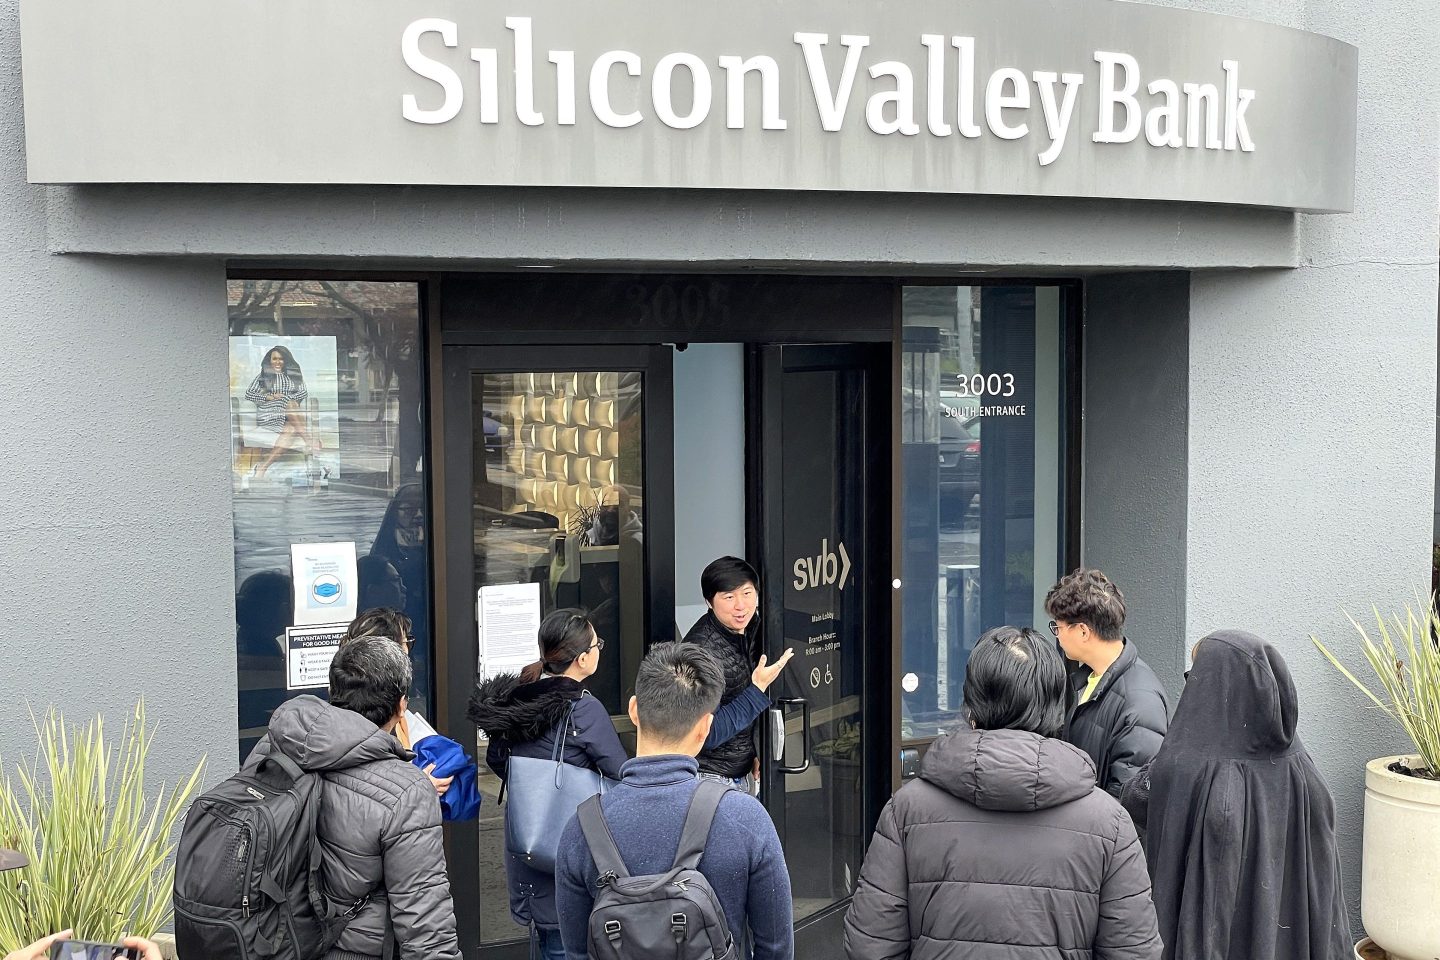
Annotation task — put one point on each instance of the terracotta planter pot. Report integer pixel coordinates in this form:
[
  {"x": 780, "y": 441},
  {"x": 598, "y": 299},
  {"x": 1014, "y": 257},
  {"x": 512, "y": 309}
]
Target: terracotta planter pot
[{"x": 1400, "y": 885}]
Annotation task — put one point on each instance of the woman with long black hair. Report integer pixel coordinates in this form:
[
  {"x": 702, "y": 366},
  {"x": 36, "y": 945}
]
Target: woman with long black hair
[
  {"x": 522, "y": 714},
  {"x": 277, "y": 391}
]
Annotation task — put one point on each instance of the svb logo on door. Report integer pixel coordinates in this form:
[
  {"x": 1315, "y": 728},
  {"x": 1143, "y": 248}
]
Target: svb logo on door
[{"x": 826, "y": 568}]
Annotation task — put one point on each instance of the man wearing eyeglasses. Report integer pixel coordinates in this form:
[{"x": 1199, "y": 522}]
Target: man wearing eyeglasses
[{"x": 1120, "y": 712}]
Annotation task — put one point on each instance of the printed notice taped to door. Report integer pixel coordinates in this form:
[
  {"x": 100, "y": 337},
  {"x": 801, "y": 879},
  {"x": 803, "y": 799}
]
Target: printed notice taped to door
[
  {"x": 508, "y": 618},
  {"x": 308, "y": 652}
]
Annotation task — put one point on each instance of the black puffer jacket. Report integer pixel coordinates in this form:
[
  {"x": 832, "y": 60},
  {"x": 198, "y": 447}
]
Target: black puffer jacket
[
  {"x": 1004, "y": 849},
  {"x": 737, "y": 655},
  {"x": 521, "y": 720},
  {"x": 1123, "y": 723}
]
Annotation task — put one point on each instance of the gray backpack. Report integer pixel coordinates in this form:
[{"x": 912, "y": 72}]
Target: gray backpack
[{"x": 667, "y": 915}]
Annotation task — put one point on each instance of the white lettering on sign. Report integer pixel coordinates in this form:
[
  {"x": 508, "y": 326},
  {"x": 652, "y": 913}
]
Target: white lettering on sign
[
  {"x": 827, "y": 568},
  {"x": 524, "y": 72},
  {"x": 600, "y": 88},
  {"x": 735, "y": 72},
  {"x": 430, "y": 69},
  {"x": 996, "y": 410},
  {"x": 1057, "y": 119},
  {"x": 831, "y": 102},
  {"x": 1197, "y": 114},
  {"x": 982, "y": 384},
  {"x": 1163, "y": 120}
]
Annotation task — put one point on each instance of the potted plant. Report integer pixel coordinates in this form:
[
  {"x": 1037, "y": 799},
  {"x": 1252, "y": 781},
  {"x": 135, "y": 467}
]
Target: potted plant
[
  {"x": 1400, "y": 874},
  {"x": 100, "y": 847}
]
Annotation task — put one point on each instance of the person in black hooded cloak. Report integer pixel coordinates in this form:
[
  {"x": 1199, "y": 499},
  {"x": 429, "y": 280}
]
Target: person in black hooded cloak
[{"x": 1240, "y": 828}]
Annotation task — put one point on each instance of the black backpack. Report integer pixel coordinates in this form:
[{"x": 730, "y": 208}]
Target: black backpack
[
  {"x": 247, "y": 882},
  {"x": 672, "y": 915}
]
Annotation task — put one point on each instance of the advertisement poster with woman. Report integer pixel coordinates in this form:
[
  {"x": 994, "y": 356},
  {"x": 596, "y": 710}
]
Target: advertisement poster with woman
[{"x": 284, "y": 403}]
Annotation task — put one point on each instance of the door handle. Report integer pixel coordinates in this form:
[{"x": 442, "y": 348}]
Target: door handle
[{"x": 779, "y": 713}]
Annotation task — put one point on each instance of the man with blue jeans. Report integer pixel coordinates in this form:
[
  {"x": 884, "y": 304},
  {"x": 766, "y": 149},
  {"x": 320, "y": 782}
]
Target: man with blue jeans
[{"x": 676, "y": 693}]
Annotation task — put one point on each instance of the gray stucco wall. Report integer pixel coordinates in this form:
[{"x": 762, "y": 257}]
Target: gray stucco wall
[
  {"x": 1135, "y": 408},
  {"x": 116, "y": 565},
  {"x": 1312, "y": 402}
]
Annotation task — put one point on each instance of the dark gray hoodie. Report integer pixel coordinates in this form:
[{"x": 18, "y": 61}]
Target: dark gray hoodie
[
  {"x": 379, "y": 830},
  {"x": 1004, "y": 849}
]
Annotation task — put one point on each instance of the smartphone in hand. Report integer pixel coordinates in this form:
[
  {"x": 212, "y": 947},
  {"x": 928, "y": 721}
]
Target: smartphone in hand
[{"x": 89, "y": 950}]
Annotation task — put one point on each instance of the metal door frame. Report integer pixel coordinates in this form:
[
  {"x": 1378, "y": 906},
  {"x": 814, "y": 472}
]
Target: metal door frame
[
  {"x": 766, "y": 366},
  {"x": 455, "y": 553}
]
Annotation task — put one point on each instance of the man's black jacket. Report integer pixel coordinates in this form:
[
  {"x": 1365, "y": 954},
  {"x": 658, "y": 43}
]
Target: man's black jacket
[{"x": 1123, "y": 723}]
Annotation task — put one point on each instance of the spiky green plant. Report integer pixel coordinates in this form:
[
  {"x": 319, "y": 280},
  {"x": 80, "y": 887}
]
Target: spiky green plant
[
  {"x": 99, "y": 846},
  {"x": 1405, "y": 656}
]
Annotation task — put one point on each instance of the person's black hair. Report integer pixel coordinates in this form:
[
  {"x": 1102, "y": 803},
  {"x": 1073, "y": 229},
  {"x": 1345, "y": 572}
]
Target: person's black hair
[
  {"x": 264, "y": 607},
  {"x": 564, "y": 635},
  {"x": 1015, "y": 680},
  {"x": 263, "y": 598},
  {"x": 380, "y": 622},
  {"x": 379, "y": 579},
  {"x": 677, "y": 684},
  {"x": 370, "y": 675},
  {"x": 725, "y": 574},
  {"x": 292, "y": 368},
  {"x": 387, "y": 541},
  {"x": 1088, "y": 597}
]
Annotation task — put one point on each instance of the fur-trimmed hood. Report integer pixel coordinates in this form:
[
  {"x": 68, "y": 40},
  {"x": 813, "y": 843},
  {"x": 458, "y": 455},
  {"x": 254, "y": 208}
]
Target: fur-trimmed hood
[{"x": 507, "y": 709}]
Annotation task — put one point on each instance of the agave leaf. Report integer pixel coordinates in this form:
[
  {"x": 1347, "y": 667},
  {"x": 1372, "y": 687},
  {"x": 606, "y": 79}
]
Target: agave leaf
[
  {"x": 100, "y": 844},
  {"x": 1404, "y": 654}
]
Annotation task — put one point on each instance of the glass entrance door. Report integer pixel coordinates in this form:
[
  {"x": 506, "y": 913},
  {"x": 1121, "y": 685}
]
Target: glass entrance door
[
  {"x": 552, "y": 499},
  {"x": 821, "y": 522}
]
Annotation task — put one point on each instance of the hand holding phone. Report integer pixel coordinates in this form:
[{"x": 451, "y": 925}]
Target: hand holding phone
[
  {"x": 55, "y": 947},
  {"x": 90, "y": 950}
]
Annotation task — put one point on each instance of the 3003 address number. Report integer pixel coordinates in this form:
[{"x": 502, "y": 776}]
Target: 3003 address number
[{"x": 988, "y": 385}]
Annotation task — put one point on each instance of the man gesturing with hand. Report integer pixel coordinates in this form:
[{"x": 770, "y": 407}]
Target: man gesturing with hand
[{"x": 730, "y": 632}]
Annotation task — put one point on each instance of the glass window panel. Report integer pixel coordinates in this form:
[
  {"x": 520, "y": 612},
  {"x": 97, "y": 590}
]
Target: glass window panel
[
  {"x": 824, "y": 460},
  {"x": 559, "y": 500},
  {"x": 981, "y": 412},
  {"x": 327, "y": 433}
]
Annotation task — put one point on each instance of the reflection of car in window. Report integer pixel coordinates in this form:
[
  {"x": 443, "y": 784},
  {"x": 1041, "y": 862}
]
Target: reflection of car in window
[
  {"x": 959, "y": 464},
  {"x": 497, "y": 435}
]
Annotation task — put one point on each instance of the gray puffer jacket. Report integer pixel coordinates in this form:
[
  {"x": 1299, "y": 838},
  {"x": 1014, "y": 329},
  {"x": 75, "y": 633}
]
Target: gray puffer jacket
[
  {"x": 1004, "y": 849},
  {"x": 379, "y": 829}
]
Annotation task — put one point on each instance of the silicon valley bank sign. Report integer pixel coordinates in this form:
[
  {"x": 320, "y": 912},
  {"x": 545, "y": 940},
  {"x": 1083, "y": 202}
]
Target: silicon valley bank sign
[
  {"x": 1085, "y": 98},
  {"x": 1190, "y": 114}
]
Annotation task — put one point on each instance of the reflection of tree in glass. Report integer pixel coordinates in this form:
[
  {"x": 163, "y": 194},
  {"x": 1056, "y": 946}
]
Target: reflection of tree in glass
[
  {"x": 389, "y": 316},
  {"x": 391, "y": 339},
  {"x": 253, "y": 300}
]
